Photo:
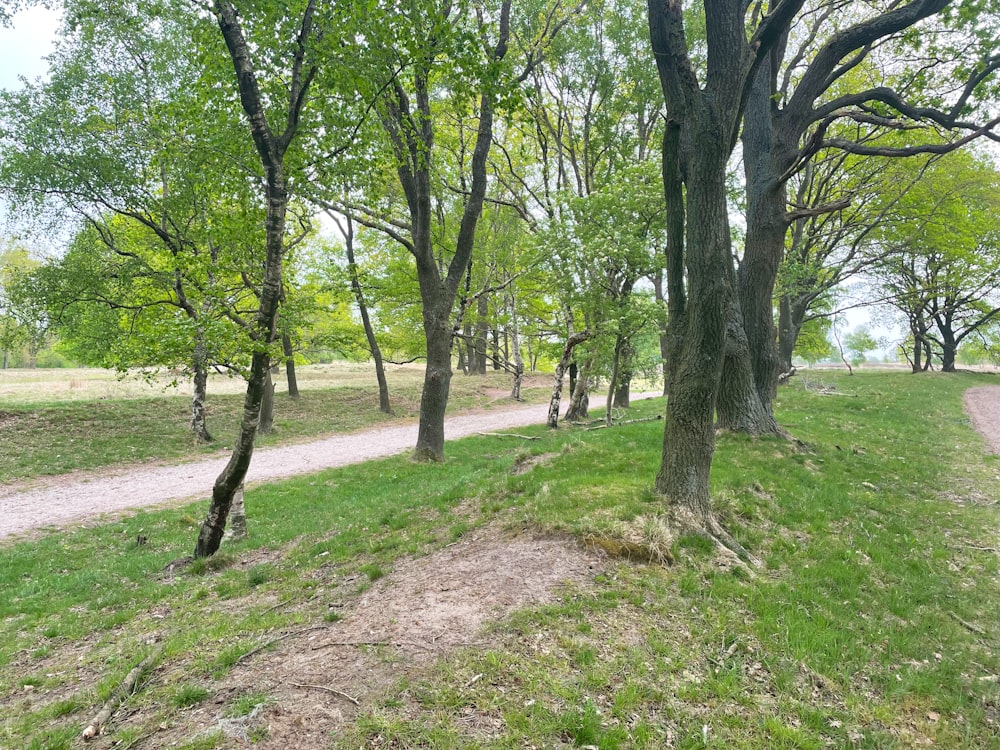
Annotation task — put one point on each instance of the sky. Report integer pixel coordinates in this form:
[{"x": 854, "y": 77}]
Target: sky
[{"x": 24, "y": 43}]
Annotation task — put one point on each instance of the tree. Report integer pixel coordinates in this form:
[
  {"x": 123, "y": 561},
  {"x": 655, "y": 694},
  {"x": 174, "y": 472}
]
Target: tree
[
  {"x": 858, "y": 343},
  {"x": 284, "y": 108},
  {"x": 428, "y": 62},
  {"x": 802, "y": 88},
  {"x": 702, "y": 124},
  {"x": 108, "y": 141},
  {"x": 22, "y": 319},
  {"x": 941, "y": 263}
]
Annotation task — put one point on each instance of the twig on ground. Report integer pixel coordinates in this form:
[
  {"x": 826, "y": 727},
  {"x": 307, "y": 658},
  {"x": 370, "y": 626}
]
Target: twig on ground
[
  {"x": 123, "y": 691},
  {"x": 968, "y": 625},
  {"x": 508, "y": 434},
  {"x": 261, "y": 647},
  {"x": 341, "y": 693},
  {"x": 474, "y": 680},
  {"x": 657, "y": 418}
]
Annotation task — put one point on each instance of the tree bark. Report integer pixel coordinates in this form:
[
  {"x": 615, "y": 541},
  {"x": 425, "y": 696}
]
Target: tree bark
[
  {"x": 289, "y": 352},
  {"x": 266, "y": 426},
  {"x": 515, "y": 345},
  {"x": 199, "y": 424},
  {"x": 579, "y": 397},
  {"x": 740, "y": 408},
  {"x": 613, "y": 380}
]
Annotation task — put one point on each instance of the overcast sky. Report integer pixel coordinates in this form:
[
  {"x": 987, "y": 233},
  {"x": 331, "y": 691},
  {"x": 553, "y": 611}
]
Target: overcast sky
[{"x": 24, "y": 44}]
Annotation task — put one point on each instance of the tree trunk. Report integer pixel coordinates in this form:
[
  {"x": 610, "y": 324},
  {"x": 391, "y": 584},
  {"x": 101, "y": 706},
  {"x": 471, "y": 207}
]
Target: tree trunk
[
  {"x": 613, "y": 380},
  {"x": 266, "y": 426},
  {"x": 763, "y": 250},
  {"x": 626, "y": 367},
  {"x": 482, "y": 331},
  {"x": 739, "y": 405},
  {"x": 199, "y": 425},
  {"x": 662, "y": 327},
  {"x": 788, "y": 334},
  {"x": 515, "y": 344},
  {"x": 579, "y": 401},
  {"x": 359, "y": 296},
  {"x": 289, "y": 352},
  {"x": 496, "y": 350},
  {"x": 571, "y": 343},
  {"x": 237, "y": 517}
]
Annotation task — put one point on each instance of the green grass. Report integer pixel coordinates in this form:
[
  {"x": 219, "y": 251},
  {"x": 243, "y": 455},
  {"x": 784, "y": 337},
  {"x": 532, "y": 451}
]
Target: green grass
[
  {"x": 873, "y": 623},
  {"x": 41, "y": 435}
]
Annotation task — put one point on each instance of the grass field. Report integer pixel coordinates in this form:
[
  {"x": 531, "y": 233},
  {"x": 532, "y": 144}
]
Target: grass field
[
  {"x": 56, "y": 421},
  {"x": 874, "y": 623}
]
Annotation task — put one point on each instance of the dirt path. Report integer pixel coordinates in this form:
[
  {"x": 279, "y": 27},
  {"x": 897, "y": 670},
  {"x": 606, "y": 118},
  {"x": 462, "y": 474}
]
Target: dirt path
[
  {"x": 63, "y": 499},
  {"x": 982, "y": 404}
]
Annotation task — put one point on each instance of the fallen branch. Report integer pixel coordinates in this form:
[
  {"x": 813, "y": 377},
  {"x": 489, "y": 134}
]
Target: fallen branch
[
  {"x": 397, "y": 643},
  {"x": 119, "y": 695},
  {"x": 657, "y": 418},
  {"x": 968, "y": 625},
  {"x": 341, "y": 693},
  {"x": 508, "y": 434},
  {"x": 261, "y": 647}
]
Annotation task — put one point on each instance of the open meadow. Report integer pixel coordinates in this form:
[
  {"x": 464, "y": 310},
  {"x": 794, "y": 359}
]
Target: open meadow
[{"x": 480, "y": 603}]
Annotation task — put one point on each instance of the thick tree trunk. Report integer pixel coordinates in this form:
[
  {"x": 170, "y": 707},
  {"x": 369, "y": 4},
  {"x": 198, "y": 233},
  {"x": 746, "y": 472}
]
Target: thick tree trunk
[
  {"x": 289, "y": 352},
  {"x": 739, "y": 406},
  {"x": 698, "y": 309},
  {"x": 767, "y": 226},
  {"x": 918, "y": 349},
  {"x": 437, "y": 382},
  {"x": 948, "y": 353},
  {"x": 571, "y": 343}
]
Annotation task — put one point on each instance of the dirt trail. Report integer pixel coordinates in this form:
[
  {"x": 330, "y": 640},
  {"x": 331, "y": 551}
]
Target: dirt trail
[
  {"x": 60, "y": 500},
  {"x": 982, "y": 404}
]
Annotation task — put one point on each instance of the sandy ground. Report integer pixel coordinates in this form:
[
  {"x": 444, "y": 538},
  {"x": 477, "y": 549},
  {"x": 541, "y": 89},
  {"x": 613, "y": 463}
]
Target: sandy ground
[
  {"x": 982, "y": 404},
  {"x": 64, "y": 499}
]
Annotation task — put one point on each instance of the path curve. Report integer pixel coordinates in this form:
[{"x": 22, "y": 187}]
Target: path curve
[
  {"x": 62, "y": 499},
  {"x": 982, "y": 404}
]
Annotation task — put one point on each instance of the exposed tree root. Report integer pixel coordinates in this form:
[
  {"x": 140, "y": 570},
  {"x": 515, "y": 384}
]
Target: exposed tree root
[
  {"x": 118, "y": 697},
  {"x": 685, "y": 521}
]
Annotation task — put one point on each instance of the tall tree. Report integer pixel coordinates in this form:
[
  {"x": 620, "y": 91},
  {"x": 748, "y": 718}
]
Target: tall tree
[
  {"x": 801, "y": 89},
  {"x": 703, "y": 116},
  {"x": 273, "y": 120},
  {"x": 939, "y": 264}
]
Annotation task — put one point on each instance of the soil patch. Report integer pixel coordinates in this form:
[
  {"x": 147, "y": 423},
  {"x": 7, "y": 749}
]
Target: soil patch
[
  {"x": 423, "y": 610},
  {"x": 982, "y": 404}
]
